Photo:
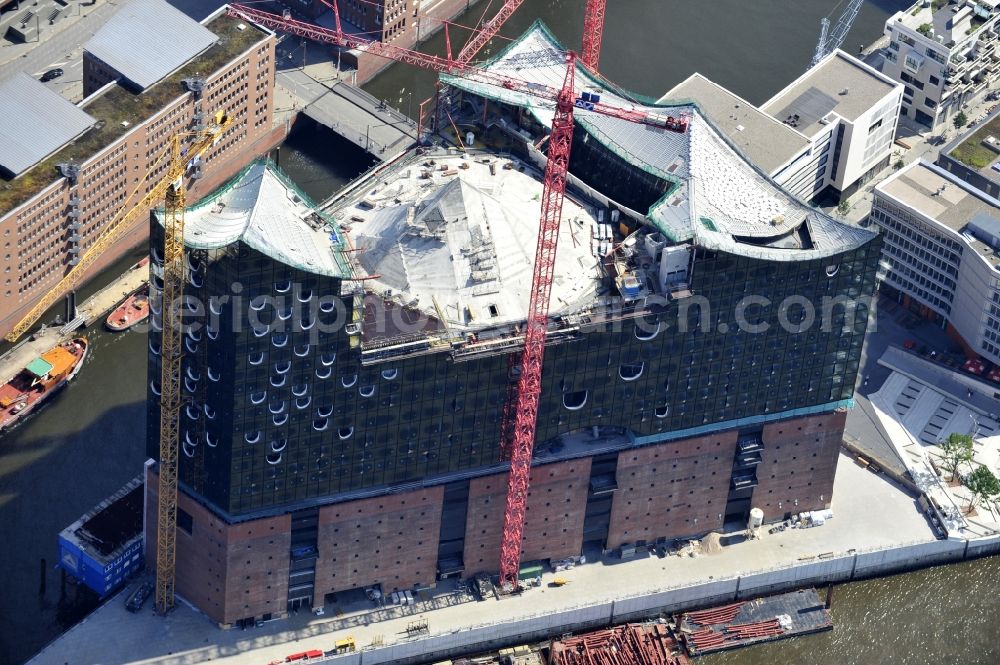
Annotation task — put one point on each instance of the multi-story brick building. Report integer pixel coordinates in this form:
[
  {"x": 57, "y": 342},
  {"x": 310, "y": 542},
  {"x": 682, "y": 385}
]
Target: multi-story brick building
[
  {"x": 153, "y": 83},
  {"x": 345, "y": 390}
]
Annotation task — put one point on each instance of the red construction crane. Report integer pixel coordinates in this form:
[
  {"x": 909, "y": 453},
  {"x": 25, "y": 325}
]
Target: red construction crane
[
  {"x": 518, "y": 426},
  {"x": 488, "y": 31},
  {"x": 529, "y": 382},
  {"x": 593, "y": 33}
]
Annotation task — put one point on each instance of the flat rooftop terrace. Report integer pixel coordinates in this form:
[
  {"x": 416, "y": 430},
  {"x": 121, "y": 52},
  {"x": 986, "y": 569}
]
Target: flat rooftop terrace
[
  {"x": 111, "y": 634},
  {"x": 118, "y": 105},
  {"x": 935, "y": 193},
  {"x": 839, "y": 84},
  {"x": 765, "y": 141}
]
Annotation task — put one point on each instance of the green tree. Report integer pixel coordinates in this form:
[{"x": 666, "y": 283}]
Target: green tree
[
  {"x": 925, "y": 28},
  {"x": 844, "y": 207},
  {"x": 983, "y": 485},
  {"x": 898, "y": 164},
  {"x": 960, "y": 120},
  {"x": 956, "y": 450}
]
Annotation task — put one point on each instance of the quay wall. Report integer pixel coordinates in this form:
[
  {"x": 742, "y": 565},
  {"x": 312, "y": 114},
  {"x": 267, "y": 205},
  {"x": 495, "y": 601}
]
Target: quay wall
[{"x": 656, "y": 602}]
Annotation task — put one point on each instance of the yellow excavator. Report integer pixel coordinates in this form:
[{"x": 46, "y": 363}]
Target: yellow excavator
[{"x": 169, "y": 187}]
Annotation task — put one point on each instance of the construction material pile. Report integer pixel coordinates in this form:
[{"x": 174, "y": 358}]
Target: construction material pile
[{"x": 632, "y": 644}]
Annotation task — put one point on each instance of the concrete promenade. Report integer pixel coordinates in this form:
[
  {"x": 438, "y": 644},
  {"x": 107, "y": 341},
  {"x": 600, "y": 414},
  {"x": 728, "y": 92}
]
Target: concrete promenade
[{"x": 601, "y": 590}]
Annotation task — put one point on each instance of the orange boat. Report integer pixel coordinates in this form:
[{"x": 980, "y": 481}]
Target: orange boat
[
  {"x": 133, "y": 309},
  {"x": 42, "y": 377}
]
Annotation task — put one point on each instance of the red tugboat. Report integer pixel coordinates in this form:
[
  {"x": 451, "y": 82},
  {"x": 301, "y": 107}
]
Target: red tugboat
[
  {"x": 42, "y": 377},
  {"x": 133, "y": 309}
]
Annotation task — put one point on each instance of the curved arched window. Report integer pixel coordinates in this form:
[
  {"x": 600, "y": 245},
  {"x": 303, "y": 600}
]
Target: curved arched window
[
  {"x": 258, "y": 303},
  {"x": 328, "y": 358},
  {"x": 190, "y": 385},
  {"x": 300, "y": 389},
  {"x": 211, "y": 439},
  {"x": 252, "y": 437},
  {"x": 644, "y": 332},
  {"x": 321, "y": 424},
  {"x": 283, "y": 367},
  {"x": 278, "y": 381},
  {"x": 303, "y": 402},
  {"x": 187, "y": 449},
  {"x": 154, "y": 347},
  {"x": 273, "y": 458},
  {"x": 209, "y": 412},
  {"x": 630, "y": 372},
  {"x": 345, "y": 432},
  {"x": 285, "y": 314},
  {"x": 279, "y": 339},
  {"x": 302, "y": 350},
  {"x": 278, "y": 445},
  {"x": 276, "y": 407},
  {"x": 192, "y": 347},
  {"x": 390, "y": 374},
  {"x": 324, "y": 372},
  {"x": 366, "y": 391},
  {"x": 283, "y": 286},
  {"x": 348, "y": 380},
  {"x": 279, "y": 419},
  {"x": 212, "y": 334},
  {"x": 326, "y": 306},
  {"x": 324, "y": 411},
  {"x": 258, "y": 397},
  {"x": 192, "y": 412},
  {"x": 256, "y": 357},
  {"x": 575, "y": 400},
  {"x": 154, "y": 386},
  {"x": 192, "y": 373},
  {"x": 195, "y": 279},
  {"x": 260, "y": 331},
  {"x": 213, "y": 375},
  {"x": 305, "y": 295},
  {"x": 214, "y": 306},
  {"x": 661, "y": 411}
]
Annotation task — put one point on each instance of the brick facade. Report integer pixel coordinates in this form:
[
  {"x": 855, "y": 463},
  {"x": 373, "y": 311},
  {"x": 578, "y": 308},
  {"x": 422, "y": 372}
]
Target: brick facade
[
  {"x": 228, "y": 571},
  {"x": 553, "y": 528},
  {"x": 798, "y": 464},
  {"x": 391, "y": 539},
  {"x": 671, "y": 490},
  {"x": 35, "y": 234}
]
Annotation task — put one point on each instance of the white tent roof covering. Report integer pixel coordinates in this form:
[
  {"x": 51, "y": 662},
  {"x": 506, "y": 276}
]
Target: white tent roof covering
[
  {"x": 265, "y": 212},
  {"x": 460, "y": 245}
]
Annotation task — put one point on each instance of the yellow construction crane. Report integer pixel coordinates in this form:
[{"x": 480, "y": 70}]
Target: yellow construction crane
[
  {"x": 119, "y": 225},
  {"x": 170, "y": 349},
  {"x": 184, "y": 148}
]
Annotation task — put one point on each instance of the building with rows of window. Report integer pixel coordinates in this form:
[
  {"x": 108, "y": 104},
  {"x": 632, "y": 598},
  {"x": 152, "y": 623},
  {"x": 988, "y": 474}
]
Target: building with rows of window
[
  {"x": 345, "y": 372},
  {"x": 942, "y": 237},
  {"x": 945, "y": 54},
  {"x": 149, "y": 73}
]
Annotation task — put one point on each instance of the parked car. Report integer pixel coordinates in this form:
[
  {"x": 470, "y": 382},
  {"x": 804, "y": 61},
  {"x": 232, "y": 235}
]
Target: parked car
[
  {"x": 136, "y": 599},
  {"x": 51, "y": 74}
]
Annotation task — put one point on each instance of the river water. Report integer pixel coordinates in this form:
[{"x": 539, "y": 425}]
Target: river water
[{"x": 89, "y": 440}]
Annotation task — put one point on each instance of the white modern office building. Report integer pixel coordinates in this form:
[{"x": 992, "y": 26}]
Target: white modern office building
[
  {"x": 945, "y": 53},
  {"x": 942, "y": 237},
  {"x": 827, "y": 133}
]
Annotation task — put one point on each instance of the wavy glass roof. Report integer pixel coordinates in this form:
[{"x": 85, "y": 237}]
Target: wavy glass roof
[
  {"x": 720, "y": 199},
  {"x": 261, "y": 208}
]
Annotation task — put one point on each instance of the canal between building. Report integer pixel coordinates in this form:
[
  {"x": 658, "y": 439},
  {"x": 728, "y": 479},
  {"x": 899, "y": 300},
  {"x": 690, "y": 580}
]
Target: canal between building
[{"x": 90, "y": 439}]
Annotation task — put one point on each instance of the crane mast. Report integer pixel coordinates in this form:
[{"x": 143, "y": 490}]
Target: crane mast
[
  {"x": 593, "y": 33},
  {"x": 170, "y": 349},
  {"x": 831, "y": 41},
  {"x": 529, "y": 382}
]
